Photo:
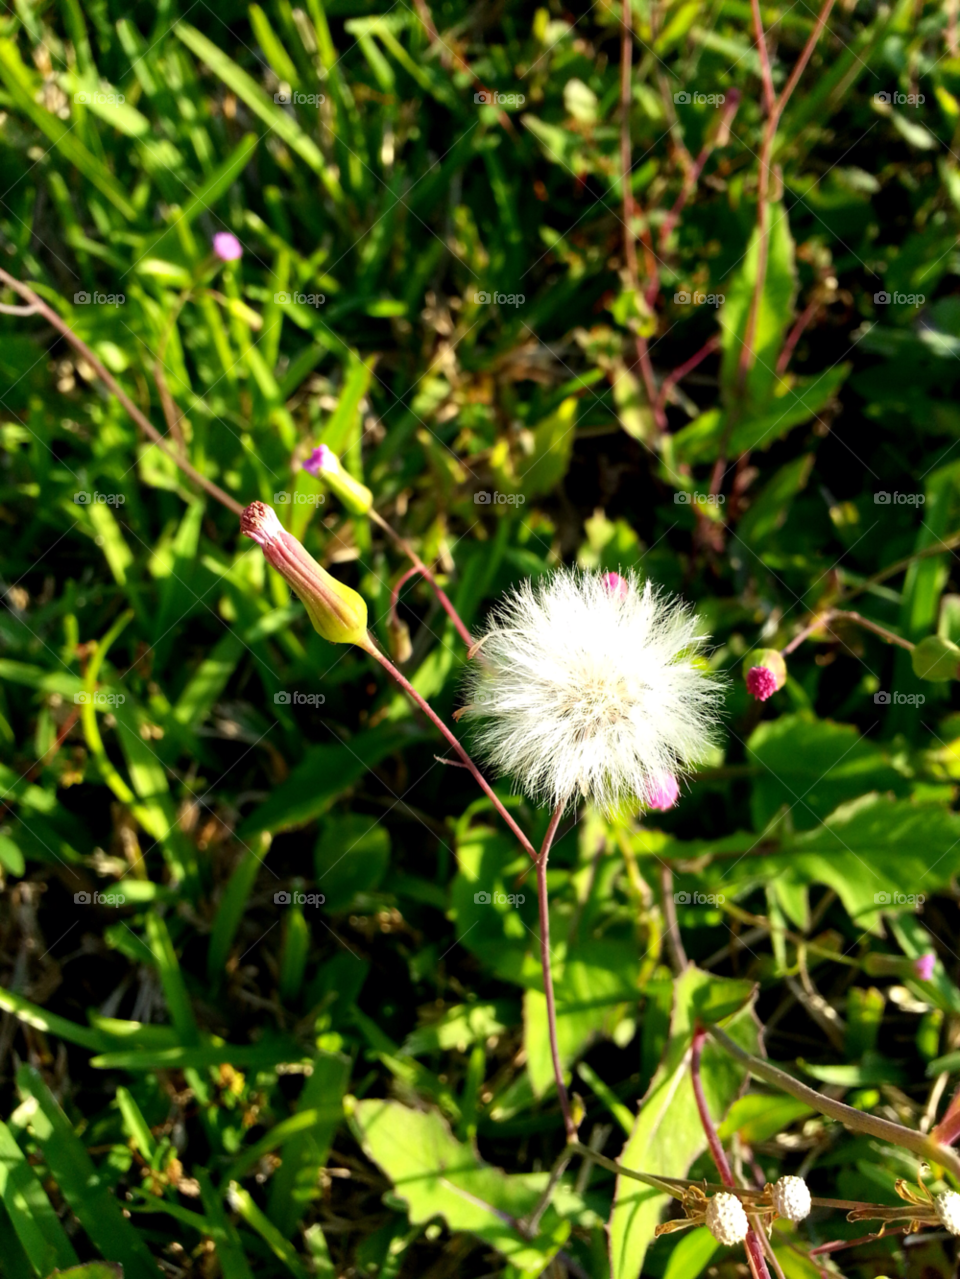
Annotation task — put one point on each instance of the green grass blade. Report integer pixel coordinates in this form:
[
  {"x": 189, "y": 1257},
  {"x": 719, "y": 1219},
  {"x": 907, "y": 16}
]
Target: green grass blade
[
  {"x": 80, "y": 1183},
  {"x": 283, "y": 1250},
  {"x": 32, "y": 1216}
]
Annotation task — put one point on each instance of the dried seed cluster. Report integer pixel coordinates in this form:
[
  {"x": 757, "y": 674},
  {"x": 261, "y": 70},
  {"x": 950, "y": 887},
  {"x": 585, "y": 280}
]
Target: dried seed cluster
[
  {"x": 726, "y": 1220},
  {"x": 947, "y": 1205},
  {"x": 791, "y": 1198}
]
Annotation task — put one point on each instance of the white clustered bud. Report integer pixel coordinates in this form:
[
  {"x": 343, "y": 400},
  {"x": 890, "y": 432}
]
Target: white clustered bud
[
  {"x": 584, "y": 689},
  {"x": 947, "y": 1205},
  {"x": 726, "y": 1220},
  {"x": 791, "y": 1198}
]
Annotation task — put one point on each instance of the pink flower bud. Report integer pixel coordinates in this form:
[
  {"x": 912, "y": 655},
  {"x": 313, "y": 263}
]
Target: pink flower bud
[
  {"x": 663, "y": 793},
  {"x": 618, "y": 586},
  {"x": 324, "y": 464},
  {"x": 923, "y": 967},
  {"x": 765, "y": 672},
  {"x": 338, "y": 613},
  {"x": 227, "y": 247}
]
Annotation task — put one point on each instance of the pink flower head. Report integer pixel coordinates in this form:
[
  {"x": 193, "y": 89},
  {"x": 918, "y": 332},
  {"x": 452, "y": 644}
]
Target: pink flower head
[
  {"x": 618, "y": 586},
  {"x": 322, "y": 458},
  {"x": 227, "y": 247},
  {"x": 761, "y": 683},
  {"x": 663, "y": 793},
  {"x": 923, "y": 967}
]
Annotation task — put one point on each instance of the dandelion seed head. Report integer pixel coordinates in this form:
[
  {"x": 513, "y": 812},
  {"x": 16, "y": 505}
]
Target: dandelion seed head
[{"x": 584, "y": 688}]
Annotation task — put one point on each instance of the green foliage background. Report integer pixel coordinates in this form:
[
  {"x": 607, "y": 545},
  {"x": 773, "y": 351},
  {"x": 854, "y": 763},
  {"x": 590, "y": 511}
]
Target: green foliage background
[{"x": 200, "y": 1071}]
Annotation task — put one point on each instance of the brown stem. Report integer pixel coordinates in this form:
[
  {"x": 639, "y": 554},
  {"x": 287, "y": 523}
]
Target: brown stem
[
  {"x": 421, "y": 568},
  {"x": 145, "y": 425},
  {"x": 754, "y": 1249},
  {"x": 948, "y": 1129},
  {"x": 692, "y": 175},
  {"x": 769, "y": 97},
  {"x": 948, "y": 544},
  {"x": 544, "y": 908},
  {"x": 674, "y": 942},
  {"x": 795, "y": 334},
  {"x": 432, "y": 715},
  {"x": 856, "y": 1120},
  {"x": 842, "y": 615}
]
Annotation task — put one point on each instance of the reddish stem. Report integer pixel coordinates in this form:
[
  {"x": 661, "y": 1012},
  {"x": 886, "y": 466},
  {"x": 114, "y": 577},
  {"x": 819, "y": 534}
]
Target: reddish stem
[
  {"x": 795, "y": 334},
  {"x": 769, "y": 97},
  {"x": 432, "y": 715},
  {"x": 842, "y": 615},
  {"x": 752, "y": 1244},
  {"x": 948, "y": 1129},
  {"x": 421, "y": 568},
  {"x": 693, "y": 174},
  {"x": 681, "y": 371}
]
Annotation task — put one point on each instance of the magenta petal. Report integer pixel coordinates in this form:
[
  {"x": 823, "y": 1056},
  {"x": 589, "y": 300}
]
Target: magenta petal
[
  {"x": 227, "y": 247},
  {"x": 761, "y": 683}
]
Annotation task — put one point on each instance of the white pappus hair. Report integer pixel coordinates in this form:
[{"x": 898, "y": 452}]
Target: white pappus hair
[{"x": 589, "y": 684}]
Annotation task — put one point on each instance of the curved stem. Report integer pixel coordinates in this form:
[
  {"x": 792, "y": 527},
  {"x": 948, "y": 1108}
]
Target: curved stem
[
  {"x": 752, "y": 1244},
  {"x": 857, "y": 1120},
  {"x": 432, "y": 715},
  {"x": 544, "y": 908},
  {"x": 419, "y": 566},
  {"x": 844, "y": 615}
]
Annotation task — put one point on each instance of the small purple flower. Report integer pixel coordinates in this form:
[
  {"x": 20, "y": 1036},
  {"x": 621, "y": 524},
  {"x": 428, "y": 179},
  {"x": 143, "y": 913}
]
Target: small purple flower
[
  {"x": 663, "y": 793},
  {"x": 321, "y": 459},
  {"x": 923, "y": 967},
  {"x": 227, "y": 247},
  {"x": 618, "y": 586}
]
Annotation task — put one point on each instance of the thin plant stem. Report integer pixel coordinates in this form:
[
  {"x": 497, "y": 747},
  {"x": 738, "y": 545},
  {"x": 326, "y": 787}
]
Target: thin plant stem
[
  {"x": 431, "y": 714},
  {"x": 752, "y": 1244},
  {"x": 674, "y": 941},
  {"x": 769, "y": 96},
  {"x": 857, "y": 1120},
  {"x": 421, "y": 568},
  {"x": 142, "y": 421},
  {"x": 543, "y": 904},
  {"x": 843, "y": 615}
]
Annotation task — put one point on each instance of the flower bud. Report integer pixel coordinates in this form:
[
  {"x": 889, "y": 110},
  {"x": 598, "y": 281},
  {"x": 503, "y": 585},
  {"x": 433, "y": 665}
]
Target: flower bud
[
  {"x": 663, "y": 793},
  {"x": 338, "y": 613},
  {"x": 324, "y": 464},
  {"x": 227, "y": 247},
  {"x": 765, "y": 672},
  {"x": 618, "y": 586},
  {"x": 877, "y": 964}
]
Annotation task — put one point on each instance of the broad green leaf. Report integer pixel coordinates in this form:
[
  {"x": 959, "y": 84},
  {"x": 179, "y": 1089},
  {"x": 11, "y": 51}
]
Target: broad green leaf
[
  {"x": 769, "y": 509},
  {"x": 935, "y": 658},
  {"x": 590, "y": 986},
  {"x": 33, "y": 1218},
  {"x": 439, "y": 1176},
  {"x": 792, "y": 403},
  {"x": 753, "y": 393},
  {"x": 758, "y": 1117},
  {"x": 668, "y": 1134},
  {"x": 551, "y": 450},
  {"x": 692, "y": 1254},
  {"x": 812, "y": 765},
  {"x": 461, "y": 1026}
]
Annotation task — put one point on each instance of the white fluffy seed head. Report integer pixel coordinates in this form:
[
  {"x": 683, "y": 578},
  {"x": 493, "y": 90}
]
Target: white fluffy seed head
[
  {"x": 947, "y": 1205},
  {"x": 791, "y": 1198},
  {"x": 582, "y": 689},
  {"x": 726, "y": 1220}
]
